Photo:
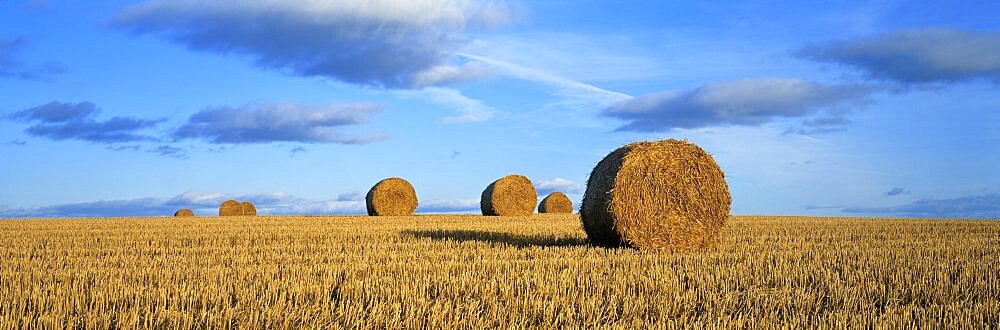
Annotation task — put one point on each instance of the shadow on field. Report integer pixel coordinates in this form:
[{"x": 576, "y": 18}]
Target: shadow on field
[{"x": 520, "y": 241}]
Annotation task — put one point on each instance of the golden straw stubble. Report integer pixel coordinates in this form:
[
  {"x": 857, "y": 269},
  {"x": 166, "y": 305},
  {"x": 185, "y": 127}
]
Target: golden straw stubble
[
  {"x": 556, "y": 202},
  {"x": 512, "y": 195},
  {"x": 656, "y": 195},
  {"x": 391, "y": 197}
]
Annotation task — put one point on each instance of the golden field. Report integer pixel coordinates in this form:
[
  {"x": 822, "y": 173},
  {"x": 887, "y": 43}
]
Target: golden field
[{"x": 465, "y": 271}]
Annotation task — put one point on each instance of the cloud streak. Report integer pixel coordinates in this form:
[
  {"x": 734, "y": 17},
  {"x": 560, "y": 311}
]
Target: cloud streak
[
  {"x": 546, "y": 187},
  {"x": 470, "y": 110},
  {"x": 566, "y": 87},
  {"x": 978, "y": 206},
  {"x": 916, "y": 56},
  {"x": 207, "y": 204},
  {"x": 468, "y": 205},
  {"x": 896, "y": 191},
  {"x": 11, "y": 67},
  {"x": 746, "y": 102},
  {"x": 282, "y": 122},
  {"x": 77, "y": 121},
  {"x": 381, "y": 43}
]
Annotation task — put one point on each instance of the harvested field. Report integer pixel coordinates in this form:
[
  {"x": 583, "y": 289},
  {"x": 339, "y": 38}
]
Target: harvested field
[{"x": 470, "y": 271}]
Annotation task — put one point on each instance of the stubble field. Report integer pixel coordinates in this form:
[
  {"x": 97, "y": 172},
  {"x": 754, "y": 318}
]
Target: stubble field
[{"x": 464, "y": 271}]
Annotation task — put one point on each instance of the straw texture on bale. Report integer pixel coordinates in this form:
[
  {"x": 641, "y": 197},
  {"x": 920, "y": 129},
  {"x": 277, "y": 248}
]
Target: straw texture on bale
[
  {"x": 248, "y": 208},
  {"x": 184, "y": 213},
  {"x": 555, "y": 202},
  {"x": 512, "y": 195},
  {"x": 656, "y": 195},
  {"x": 391, "y": 197},
  {"x": 230, "y": 208}
]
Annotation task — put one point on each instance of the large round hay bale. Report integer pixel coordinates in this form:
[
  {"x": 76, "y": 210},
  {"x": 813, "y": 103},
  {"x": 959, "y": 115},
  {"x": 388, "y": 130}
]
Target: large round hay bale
[
  {"x": 392, "y": 196},
  {"x": 248, "y": 209},
  {"x": 656, "y": 195},
  {"x": 512, "y": 195},
  {"x": 555, "y": 202},
  {"x": 184, "y": 213},
  {"x": 230, "y": 208}
]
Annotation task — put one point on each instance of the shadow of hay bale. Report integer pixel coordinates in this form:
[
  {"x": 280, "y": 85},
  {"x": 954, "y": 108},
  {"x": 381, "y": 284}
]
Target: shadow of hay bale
[{"x": 520, "y": 241}]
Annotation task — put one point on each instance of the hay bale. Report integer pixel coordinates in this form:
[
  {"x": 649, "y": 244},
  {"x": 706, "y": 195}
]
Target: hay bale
[
  {"x": 248, "y": 209},
  {"x": 392, "y": 196},
  {"x": 230, "y": 208},
  {"x": 184, "y": 213},
  {"x": 512, "y": 195},
  {"x": 656, "y": 195},
  {"x": 555, "y": 202}
]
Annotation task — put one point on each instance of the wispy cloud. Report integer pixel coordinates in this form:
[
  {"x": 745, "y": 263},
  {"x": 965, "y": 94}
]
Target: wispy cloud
[
  {"x": 296, "y": 151},
  {"x": 470, "y": 110},
  {"x": 895, "y": 191},
  {"x": 282, "y": 122},
  {"x": 916, "y": 56},
  {"x": 592, "y": 57},
  {"x": 77, "y": 121},
  {"x": 351, "y": 196},
  {"x": 546, "y": 187},
  {"x": 565, "y": 87},
  {"x": 382, "y": 43},
  {"x": 973, "y": 206},
  {"x": 169, "y": 151},
  {"x": 746, "y": 102},
  {"x": 207, "y": 204},
  {"x": 822, "y": 207},
  {"x": 201, "y": 203},
  {"x": 11, "y": 67},
  {"x": 467, "y": 205}
]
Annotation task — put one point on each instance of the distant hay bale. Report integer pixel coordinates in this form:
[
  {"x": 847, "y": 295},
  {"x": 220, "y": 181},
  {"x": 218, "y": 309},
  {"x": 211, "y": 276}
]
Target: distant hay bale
[
  {"x": 512, "y": 195},
  {"x": 555, "y": 202},
  {"x": 656, "y": 195},
  {"x": 184, "y": 213},
  {"x": 248, "y": 209},
  {"x": 391, "y": 197},
  {"x": 230, "y": 208}
]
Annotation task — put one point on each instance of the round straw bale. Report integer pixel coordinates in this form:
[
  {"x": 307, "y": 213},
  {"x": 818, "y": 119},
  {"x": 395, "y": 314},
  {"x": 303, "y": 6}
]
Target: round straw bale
[
  {"x": 512, "y": 195},
  {"x": 556, "y": 202},
  {"x": 184, "y": 213},
  {"x": 392, "y": 196},
  {"x": 230, "y": 208},
  {"x": 248, "y": 209},
  {"x": 656, "y": 195}
]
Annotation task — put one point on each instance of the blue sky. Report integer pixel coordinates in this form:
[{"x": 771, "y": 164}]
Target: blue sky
[{"x": 832, "y": 108}]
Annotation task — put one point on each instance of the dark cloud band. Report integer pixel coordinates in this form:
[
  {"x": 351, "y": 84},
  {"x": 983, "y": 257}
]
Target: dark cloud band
[
  {"x": 932, "y": 55},
  {"x": 747, "y": 102},
  {"x": 266, "y": 123},
  {"x": 376, "y": 43}
]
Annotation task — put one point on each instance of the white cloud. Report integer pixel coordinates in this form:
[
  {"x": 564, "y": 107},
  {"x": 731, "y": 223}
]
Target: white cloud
[
  {"x": 203, "y": 203},
  {"x": 917, "y": 56},
  {"x": 970, "y": 206},
  {"x": 565, "y": 87},
  {"x": 467, "y": 205},
  {"x": 265, "y": 123},
  {"x": 584, "y": 57},
  {"x": 748, "y": 102},
  {"x": 559, "y": 184},
  {"x": 351, "y": 196},
  {"x": 383, "y": 43},
  {"x": 471, "y": 110},
  {"x": 207, "y": 204}
]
